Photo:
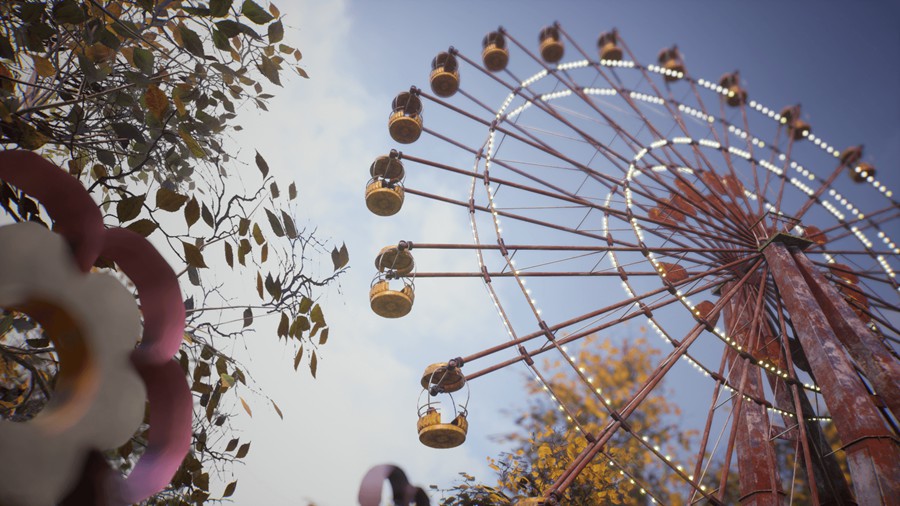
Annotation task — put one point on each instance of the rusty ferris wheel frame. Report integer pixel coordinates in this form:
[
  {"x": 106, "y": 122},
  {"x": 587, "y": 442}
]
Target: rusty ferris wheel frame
[{"x": 695, "y": 198}]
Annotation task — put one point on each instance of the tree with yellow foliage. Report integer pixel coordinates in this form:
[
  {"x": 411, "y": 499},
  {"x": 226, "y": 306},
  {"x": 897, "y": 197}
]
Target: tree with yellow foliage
[{"x": 546, "y": 441}]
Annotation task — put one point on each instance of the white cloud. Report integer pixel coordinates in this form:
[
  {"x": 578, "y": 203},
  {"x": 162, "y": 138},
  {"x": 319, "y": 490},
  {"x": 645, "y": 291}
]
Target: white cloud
[{"x": 361, "y": 410}]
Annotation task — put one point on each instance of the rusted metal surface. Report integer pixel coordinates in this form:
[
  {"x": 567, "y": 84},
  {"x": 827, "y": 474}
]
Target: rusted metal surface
[
  {"x": 704, "y": 439},
  {"x": 873, "y": 455},
  {"x": 828, "y": 486},
  {"x": 757, "y": 467},
  {"x": 831, "y": 487},
  {"x": 876, "y": 361}
]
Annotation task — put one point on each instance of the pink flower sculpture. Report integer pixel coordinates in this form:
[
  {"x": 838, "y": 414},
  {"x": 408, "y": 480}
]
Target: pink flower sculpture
[{"x": 104, "y": 380}]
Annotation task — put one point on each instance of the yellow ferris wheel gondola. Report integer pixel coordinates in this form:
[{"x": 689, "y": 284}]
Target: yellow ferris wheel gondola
[
  {"x": 609, "y": 49},
  {"x": 405, "y": 122},
  {"x": 444, "y": 75},
  {"x": 384, "y": 191},
  {"x": 551, "y": 45},
  {"x": 494, "y": 53}
]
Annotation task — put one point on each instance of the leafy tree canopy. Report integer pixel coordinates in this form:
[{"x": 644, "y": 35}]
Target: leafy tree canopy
[{"x": 138, "y": 99}]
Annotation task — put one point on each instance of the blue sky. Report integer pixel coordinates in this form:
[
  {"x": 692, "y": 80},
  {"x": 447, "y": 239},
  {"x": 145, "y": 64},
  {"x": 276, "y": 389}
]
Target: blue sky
[{"x": 838, "y": 61}]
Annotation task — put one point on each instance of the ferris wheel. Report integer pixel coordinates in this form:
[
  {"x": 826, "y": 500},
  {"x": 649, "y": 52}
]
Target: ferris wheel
[{"x": 603, "y": 190}]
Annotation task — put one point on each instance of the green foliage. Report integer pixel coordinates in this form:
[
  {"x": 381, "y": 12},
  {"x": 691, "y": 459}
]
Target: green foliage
[
  {"x": 546, "y": 442},
  {"x": 135, "y": 99}
]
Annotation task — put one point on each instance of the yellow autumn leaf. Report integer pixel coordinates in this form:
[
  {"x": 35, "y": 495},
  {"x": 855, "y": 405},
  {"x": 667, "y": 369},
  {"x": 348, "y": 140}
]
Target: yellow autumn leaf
[
  {"x": 128, "y": 53},
  {"x": 5, "y": 114},
  {"x": 43, "y": 66},
  {"x": 544, "y": 451},
  {"x": 192, "y": 144},
  {"x": 227, "y": 380},
  {"x": 176, "y": 33},
  {"x": 246, "y": 406},
  {"x": 99, "y": 52},
  {"x": 115, "y": 11},
  {"x": 179, "y": 104},
  {"x": 156, "y": 101},
  {"x": 31, "y": 138},
  {"x": 278, "y": 410}
]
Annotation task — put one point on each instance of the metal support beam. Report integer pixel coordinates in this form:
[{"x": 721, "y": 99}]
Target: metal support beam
[
  {"x": 870, "y": 353},
  {"x": 872, "y": 451},
  {"x": 828, "y": 486},
  {"x": 757, "y": 466}
]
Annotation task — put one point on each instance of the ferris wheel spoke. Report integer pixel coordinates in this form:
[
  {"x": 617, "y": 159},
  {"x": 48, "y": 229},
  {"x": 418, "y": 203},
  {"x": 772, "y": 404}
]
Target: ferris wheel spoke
[
  {"x": 537, "y": 143},
  {"x": 534, "y": 221},
  {"x": 512, "y": 216},
  {"x": 670, "y": 228},
  {"x": 753, "y": 447},
  {"x": 729, "y": 161},
  {"x": 524, "y": 273},
  {"x": 550, "y": 109},
  {"x": 754, "y": 165},
  {"x": 820, "y": 191},
  {"x": 596, "y": 391},
  {"x": 879, "y": 318},
  {"x": 593, "y": 142},
  {"x": 704, "y": 438},
  {"x": 847, "y": 231},
  {"x": 704, "y": 111},
  {"x": 717, "y": 208},
  {"x": 666, "y": 364},
  {"x": 557, "y": 247},
  {"x": 659, "y": 372},
  {"x": 851, "y": 253},
  {"x": 618, "y": 85},
  {"x": 599, "y": 312},
  {"x": 679, "y": 121},
  {"x": 530, "y": 270},
  {"x": 709, "y": 226},
  {"x": 865, "y": 303},
  {"x": 620, "y": 131},
  {"x": 673, "y": 188},
  {"x": 557, "y": 193},
  {"x": 861, "y": 226},
  {"x": 602, "y": 178},
  {"x": 580, "y": 93},
  {"x": 667, "y": 228},
  {"x": 784, "y": 180},
  {"x": 838, "y": 270}
]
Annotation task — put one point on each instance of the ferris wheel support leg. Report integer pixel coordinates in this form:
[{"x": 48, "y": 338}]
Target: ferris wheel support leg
[
  {"x": 873, "y": 454},
  {"x": 830, "y": 485},
  {"x": 757, "y": 467},
  {"x": 879, "y": 365}
]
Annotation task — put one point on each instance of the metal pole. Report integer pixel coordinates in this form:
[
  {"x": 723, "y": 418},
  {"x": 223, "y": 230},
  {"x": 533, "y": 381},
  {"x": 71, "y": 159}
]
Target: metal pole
[
  {"x": 872, "y": 451},
  {"x": 876, "y": 361},
  {"x": 755, "y": 454}
]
